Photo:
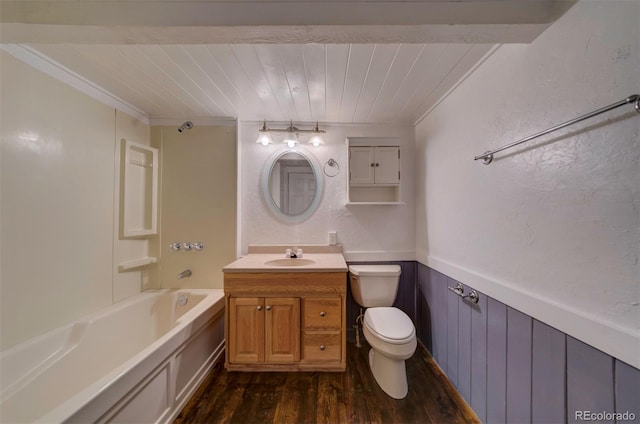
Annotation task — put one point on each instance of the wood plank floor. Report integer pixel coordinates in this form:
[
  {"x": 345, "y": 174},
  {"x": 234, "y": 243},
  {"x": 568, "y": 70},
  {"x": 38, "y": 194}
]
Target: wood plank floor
[{"x": 323, "y": 397}]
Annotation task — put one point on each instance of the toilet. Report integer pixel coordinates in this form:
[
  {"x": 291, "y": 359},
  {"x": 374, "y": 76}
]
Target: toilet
[{"x": 388, "y": 330}]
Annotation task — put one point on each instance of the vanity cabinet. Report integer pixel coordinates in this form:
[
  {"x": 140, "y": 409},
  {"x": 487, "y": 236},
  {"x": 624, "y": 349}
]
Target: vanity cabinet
[{"x": 285, "y": 321}]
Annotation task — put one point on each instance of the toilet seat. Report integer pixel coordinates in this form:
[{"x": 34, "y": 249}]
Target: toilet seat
[{"x": 390, "y": 325}]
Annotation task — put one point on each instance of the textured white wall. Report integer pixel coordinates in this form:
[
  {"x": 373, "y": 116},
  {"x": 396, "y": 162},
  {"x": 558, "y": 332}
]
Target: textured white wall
[
  {"x": 375, "y": 232},
  {"x": 553, "y": 228}
]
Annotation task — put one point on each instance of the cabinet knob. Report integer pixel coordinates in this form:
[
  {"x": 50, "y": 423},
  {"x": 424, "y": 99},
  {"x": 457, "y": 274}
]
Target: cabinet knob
[
  {"x": 373, "y": 164},
  {"x": 268, "y": 308},
  {"x": 322, "y": 314},
  {"x": 377, "y": 165},
  {"x": 259, "y": 307},
  {"x": 322, "y": 347}
]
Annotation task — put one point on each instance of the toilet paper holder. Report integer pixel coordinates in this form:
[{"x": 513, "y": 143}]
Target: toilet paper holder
[{"x": 459, "y": 290}]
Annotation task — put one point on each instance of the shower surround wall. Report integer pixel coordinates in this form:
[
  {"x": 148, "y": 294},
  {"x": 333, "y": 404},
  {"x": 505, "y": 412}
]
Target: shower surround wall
[
  {"x": 198, "y": 203},
  {"x": 550, "y": 229},
  {"x": 59, "y": 175}
]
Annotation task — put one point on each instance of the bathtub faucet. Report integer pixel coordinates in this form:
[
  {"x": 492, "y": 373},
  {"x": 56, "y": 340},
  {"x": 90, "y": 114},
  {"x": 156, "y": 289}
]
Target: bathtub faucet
[{"x": 184, "y": 274}]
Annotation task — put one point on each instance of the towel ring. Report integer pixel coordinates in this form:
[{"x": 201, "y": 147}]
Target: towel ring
[{"x": 333, "y": 168}]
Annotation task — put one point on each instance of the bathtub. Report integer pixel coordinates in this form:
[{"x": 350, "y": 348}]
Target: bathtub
[{"x": 138, "y": 360}]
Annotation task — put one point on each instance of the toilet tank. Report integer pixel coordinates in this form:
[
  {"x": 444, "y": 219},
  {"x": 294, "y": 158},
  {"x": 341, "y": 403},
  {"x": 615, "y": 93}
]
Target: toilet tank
[{"x": 374, "y": 285}]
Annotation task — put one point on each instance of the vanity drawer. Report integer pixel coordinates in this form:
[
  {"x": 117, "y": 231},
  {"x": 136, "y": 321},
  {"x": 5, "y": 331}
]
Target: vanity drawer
[
  {"x": 321, "y": 346},
  {"x": 322, "y": 313}
]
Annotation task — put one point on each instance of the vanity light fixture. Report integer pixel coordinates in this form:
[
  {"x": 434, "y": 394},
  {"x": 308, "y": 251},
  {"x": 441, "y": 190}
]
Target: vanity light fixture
[
  {"x": 264, "y": 137},
  {"x": 291, "y": 134},
  {"x": 290, "y": 138},
  {"x": 316, "y": 139}
]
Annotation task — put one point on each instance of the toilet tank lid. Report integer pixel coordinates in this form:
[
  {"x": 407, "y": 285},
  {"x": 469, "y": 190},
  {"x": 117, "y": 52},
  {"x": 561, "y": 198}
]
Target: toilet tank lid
[{"x": 375, "y": 270}]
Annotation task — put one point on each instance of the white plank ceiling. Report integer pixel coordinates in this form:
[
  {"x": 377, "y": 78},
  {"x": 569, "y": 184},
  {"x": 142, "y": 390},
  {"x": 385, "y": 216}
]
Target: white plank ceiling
[
  {"x": 331, "y": 83},
  {"x": 347, "y": 61}
]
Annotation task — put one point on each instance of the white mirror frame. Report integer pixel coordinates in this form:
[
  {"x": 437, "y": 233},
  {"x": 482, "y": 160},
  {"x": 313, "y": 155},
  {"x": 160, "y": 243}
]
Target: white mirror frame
[{"x": 266, "y": 190}]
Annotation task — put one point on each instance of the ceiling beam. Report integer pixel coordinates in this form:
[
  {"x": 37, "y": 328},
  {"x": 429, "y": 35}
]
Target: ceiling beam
[
  {"x": 296, "y": 13},
  {"x": 191, "y": 22},
  {"x": 379, "y": 34}
]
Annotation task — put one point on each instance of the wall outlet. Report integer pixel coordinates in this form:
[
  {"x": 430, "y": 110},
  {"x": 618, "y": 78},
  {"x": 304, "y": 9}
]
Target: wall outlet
[{"x": 333, "y": 238}]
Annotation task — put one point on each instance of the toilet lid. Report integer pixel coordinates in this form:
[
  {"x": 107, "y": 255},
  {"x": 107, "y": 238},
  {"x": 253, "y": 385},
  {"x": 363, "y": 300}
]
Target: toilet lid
[{"x": 389, "y": 323}]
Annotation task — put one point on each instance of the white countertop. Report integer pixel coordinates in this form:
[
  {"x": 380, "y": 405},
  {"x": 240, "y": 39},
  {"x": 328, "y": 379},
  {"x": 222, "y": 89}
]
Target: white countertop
[{"x": 255, "y": 262}]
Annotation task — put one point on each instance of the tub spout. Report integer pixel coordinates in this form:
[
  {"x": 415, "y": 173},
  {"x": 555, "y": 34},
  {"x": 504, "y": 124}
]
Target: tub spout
[{"x": 184, "y": 274}]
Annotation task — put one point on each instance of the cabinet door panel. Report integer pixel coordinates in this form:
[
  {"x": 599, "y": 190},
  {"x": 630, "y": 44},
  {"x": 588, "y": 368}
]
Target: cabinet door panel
[
  {"x": 246, "y": 330},
  {"x": 387, "y": 169},
  {"x": 360, "y": 165},
  {"x": 282, "y": 329}
]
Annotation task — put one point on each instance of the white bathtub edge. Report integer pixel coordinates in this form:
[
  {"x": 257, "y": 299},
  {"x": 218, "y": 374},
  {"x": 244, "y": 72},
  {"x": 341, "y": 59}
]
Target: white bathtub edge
[{"x": 113, "y": 387}]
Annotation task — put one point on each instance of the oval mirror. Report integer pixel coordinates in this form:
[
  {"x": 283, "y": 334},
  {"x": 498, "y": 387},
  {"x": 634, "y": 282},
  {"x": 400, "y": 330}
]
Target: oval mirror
[{"x": 292, "y": 184}]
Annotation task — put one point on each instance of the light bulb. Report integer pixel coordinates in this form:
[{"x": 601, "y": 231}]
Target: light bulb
[
  {"x": 290, "y": 139},
  {"x": 316, "y": 140},
  {"x": 264, "y": 138}
]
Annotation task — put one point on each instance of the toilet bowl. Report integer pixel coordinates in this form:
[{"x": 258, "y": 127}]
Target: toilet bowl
[
  {"x": 389, "y": 331},
  {"x": 392, "y": 338}
]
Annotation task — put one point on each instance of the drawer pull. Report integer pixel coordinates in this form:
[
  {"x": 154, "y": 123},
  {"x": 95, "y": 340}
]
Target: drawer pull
[
  {"x": 322, "y": 314},
  {"x": 268, "y": 308},
  {"x": 259, "y": 307},
  {"x": 322, "y": 347}
]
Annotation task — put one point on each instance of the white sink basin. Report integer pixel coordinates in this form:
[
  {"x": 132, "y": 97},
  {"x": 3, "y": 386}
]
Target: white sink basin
[{"x": 290, "y": 262}]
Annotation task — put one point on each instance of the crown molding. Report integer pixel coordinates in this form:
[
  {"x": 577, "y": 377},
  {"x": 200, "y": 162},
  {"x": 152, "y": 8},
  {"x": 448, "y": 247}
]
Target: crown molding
[{"x": 54, "y": 69}]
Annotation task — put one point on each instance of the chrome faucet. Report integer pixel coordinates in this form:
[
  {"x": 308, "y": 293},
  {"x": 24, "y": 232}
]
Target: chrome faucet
[
  {"x": 184, "y": 274},
  {"x": 293, "y": 253}
]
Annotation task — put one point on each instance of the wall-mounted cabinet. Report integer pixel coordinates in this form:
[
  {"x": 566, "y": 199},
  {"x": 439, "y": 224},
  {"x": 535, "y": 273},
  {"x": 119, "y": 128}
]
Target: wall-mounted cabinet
[
  {"x": 139, "y": 190},
  {"x": 374, "y": 171}
]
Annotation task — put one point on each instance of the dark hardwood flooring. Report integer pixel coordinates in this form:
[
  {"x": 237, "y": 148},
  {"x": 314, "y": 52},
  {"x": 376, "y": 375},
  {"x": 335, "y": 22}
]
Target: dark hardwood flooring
[{"x": 326, "y": 397}]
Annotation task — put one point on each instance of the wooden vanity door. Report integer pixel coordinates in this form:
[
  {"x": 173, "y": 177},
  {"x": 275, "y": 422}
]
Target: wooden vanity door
[
  {"x": 246, "y": 327},
  {"x": 282, "y": 329}
]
